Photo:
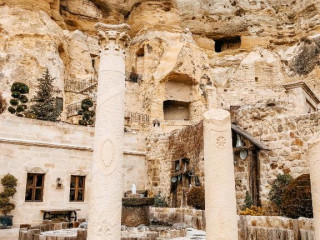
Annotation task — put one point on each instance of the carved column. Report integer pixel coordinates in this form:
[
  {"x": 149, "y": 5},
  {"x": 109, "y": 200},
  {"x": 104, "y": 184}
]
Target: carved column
[
  {"x": 220, "y": 194},
  {"x": 314, "y": 165},
  {"x": 105, "y": 202}
]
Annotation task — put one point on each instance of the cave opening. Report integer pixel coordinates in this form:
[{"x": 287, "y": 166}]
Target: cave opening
[{"x": 227, "y": 43}]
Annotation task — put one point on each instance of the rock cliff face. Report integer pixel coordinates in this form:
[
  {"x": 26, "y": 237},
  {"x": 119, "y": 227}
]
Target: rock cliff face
[{"x": 242, "y": 50}]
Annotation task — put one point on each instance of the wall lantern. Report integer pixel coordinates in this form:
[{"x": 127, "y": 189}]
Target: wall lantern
[
  {"x": 243, "y": 154},
  {"x": 239, "y": 143},
  {"x": 59, "y": 183}
]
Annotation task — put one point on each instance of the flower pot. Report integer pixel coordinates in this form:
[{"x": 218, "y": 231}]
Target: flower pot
[{"x": 5, "y": 221}]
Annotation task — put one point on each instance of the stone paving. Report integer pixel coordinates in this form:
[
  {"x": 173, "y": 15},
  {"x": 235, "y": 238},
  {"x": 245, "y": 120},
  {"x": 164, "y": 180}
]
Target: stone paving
[{"x": 192, "y": 234}]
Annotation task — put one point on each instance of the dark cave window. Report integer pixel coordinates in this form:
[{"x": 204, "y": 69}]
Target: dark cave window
[
  {"x": 176, "y": 110},
  {"x": 224, "y": 44}
]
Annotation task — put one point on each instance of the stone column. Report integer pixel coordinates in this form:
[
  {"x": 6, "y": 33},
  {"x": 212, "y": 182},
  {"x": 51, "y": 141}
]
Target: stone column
[
  {"x": 105, "y": 202},
  {"x": 220, "y": 194},
  {"x": 212, "y": 97},
  {"x": 314, "y": 165}
]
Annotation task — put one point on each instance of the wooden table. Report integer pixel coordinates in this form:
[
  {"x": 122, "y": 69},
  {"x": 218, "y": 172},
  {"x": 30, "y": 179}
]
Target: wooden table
[{"x": 69, "y": 213}]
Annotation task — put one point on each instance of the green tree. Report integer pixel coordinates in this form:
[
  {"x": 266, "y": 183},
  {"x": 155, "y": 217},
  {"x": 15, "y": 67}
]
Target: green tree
[
  {"x": 44, "y": 107},
  {"x": 278, "y": 189},
  {"x": 247, "y": 201}
]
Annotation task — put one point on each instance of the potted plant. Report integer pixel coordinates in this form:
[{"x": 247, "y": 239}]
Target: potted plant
[{"x": 9, "y": 184}]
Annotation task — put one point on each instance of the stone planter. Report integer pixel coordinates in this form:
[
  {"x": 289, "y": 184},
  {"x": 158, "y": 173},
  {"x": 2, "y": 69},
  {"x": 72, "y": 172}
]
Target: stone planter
[
  {"x": 6, "y": 221},
  {"x": 135, "y": 211}
]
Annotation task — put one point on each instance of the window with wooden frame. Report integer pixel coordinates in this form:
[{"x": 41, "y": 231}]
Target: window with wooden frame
[
  {"x": 77, "y": 185},
  {"x": 34, "y": 188}
]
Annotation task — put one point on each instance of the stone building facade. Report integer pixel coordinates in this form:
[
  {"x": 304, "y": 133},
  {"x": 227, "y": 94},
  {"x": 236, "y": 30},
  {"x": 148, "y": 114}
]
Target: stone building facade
[
  {"x": 257, "y": 59},
  {"x": 58, "y": 151}
]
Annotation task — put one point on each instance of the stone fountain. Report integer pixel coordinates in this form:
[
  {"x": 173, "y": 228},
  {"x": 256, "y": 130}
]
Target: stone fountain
[{"x": 135, "y": 208}]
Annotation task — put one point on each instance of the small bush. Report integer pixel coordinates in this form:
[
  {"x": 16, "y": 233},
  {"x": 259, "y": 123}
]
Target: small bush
[
  {"x": 160, "y": 201},
  {"x": 86, "y": 113},
  {"x": 17, "y": 92},
  {"x": 196, "y": 198},
  {"x": 297, "y": 201},
  {"x": 87, "y": 102},
  {"x": 3, "y": 104},
  {"x": 12, "y": 110},
  {"x": 247, "y": 201},
  {"x": 19, "y": 87},
  {"x": 278, "y": 188},
  {"x": 252, "y": 211},
  {"x": 9, "y": 184},
  {"x": 20, "y": 108},
  {"x": 23, "y": 98},
  {"x": 14, "y": 102}
]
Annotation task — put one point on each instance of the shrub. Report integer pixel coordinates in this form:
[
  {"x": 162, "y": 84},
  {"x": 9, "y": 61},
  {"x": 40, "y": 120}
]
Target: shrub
[
  {"x": 19, "y": 87},
  {"x": 252, "y": 211},
  {"x": 160, "y": 201},
  {"x": 278, "y": 188},
  {"x": 14, "y": 102},
  {"x": 12, "y": 110},
  {"x": 15, "y": 94},
  {"x": 196, "y": 198},
  {"x": 297, "y": 201},
  {"x": 3, "y": 104},
  {"x": 247, "y": 201},
  {"x": 18, "y": 90},
  {"x": 23, "y": 98},
  {"x": 86, "y": 113},
  {"x": 9, "y": 184}
]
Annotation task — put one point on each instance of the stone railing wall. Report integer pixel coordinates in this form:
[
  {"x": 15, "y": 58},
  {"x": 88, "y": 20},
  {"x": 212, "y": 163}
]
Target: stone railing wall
[
  {"x": 250, "y": 227},
  {"x": 168, "y": 216},
  {"x": 274, "y": 227},
  {"x": 80, "y": 86}
]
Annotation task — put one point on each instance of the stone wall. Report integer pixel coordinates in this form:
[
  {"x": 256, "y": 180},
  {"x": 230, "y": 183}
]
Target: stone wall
[
  {"x": 168, "y": 216},
  {"x": 269, "y": 228},
  {"x": 9, "y": 234},
  {"x": 287, "y": 137},
  {"x": 164, "y": 149},
  {"x": 250, "y": 227},
  {"x": 59, "y": 150}
]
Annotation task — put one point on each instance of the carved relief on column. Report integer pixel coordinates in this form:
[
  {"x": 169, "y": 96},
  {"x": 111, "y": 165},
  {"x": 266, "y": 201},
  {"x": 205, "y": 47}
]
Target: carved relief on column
[
  {"x": 314, "y": 166},
  {"x": 220, "y": 195},
  {"x": 105, "y": 202},
  {"x": 113, "y": 37}
]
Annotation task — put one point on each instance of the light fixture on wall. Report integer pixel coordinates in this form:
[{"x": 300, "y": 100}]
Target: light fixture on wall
[
  {"x": 239, "y": 143},
  {"x": 174, "y": 179},
  {"x": 59, "y": 183},
  {"x": 243, "y": 154}
]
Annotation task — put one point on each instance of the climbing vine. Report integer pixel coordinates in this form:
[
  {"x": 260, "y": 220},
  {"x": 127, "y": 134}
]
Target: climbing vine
[{"x": 278, "y": 189}]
